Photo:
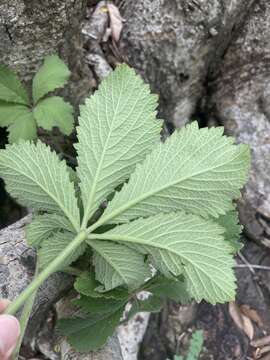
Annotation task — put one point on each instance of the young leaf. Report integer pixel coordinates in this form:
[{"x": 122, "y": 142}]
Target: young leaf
[
  {"x": 54, "y": 245},
  {"x": 44, "y": 226},
  {"x": 90, "y": 333},
  {"x": 197, "y": 170},
  {"x": 53, "y": 74},
  {"x": 117, "y": 129},
  {"x": 173, "y": 289},
  {"x": 54, "y": 111},
  {"x": 195, "y": 346},
  {"x": 10, "y": 112},
  {"x": 116, "y": 265},
  {"x": 37, "y": 178},
  {"x": 11, "y": 89},
  {"x": 180, "y": 243},
  {"x": 230, "y": 223},
  {"x": 24, "y": 128},
  {"x": 99, "y": 305},
  {"x": 86, "y": 284}
]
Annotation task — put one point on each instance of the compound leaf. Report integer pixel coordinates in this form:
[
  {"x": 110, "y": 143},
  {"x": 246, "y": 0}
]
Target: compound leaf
[
  {"x": 53, "y": 74},
  {"x": 180, "y": 243},
  {"x": 117, "y": 128},
  {"x": 44, "y": 226},
  {"x": 10, "y": 112},
  {"x": 196, "y": 170},
  {"x": 11, "y": 89},
  {"x": 90, "y": 333},
  {"x": 54, "y": 111},
  {"x": 116, "y": 265},
  {"x": 37, "y": 178},
  {"x": 54, "y": 245},
  {"x": 24, "y": 128}
]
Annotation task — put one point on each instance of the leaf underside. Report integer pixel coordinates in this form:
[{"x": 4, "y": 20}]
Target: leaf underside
[{"x": 117, "y": 128}]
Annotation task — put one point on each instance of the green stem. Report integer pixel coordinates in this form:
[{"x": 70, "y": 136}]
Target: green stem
[
  {"x": 27, "y": 309},
  {"x": 55, "y": 265}
]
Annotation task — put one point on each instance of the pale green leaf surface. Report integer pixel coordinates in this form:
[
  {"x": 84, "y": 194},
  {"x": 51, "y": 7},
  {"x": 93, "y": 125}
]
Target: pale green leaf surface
[
  {"x": 196, "y": 170},
  {"x": 230, "y": 223},
  {"x": 11, "y": 89},
  {"x": 24, "y": 128},
  {"x": 54, "y": 245},
  {"x": 87, "y": 285},
  {"x": 36, "y": 177},
  {"x": 54, "y": 111},
  {"x": 53, "y": 74},
  {"x": 117, "y": 265},
  {"x": 44, "y": 226},
  {"x": 196, "y": 345},
  {"x": 180, "y": 243},
  {"x": 10, "y": 112},
  {"x": 90, "y": 333},
  {"x": 117, "y": 128}
]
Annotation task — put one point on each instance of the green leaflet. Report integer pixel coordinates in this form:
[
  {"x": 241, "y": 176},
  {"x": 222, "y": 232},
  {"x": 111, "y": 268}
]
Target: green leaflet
[
  {"x": 54, "y": 111},
  {"x": 53, "y": 74},
  {"x": 90, "y": 333},
  {"x": 10, "y": 112},
  {"x": 24, "y": 128},
  {"x": 195, "y": 346},
  {"x": 196, "y": 170},
  {"x": 99, "y": 305},
  {"x": 230, "y": 223},
  {"x": 11, "y": 89},
  {"x": 117, "y": 128},
  {"x": 37, "y": 178},
  {"x": 180, "y": 243},
  {"x": 86, "y": 284},
  {"x": 152, "y": 304},
  {"x": 44, "y": 226},
  {"x": 54, "y": 245},
  {"x": 116, "y": 265}
]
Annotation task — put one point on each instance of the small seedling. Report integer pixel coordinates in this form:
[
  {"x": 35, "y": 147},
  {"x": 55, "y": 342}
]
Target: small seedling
[
  {"x": 174, "y": 214},
  {"x": 21, "y": 115}
]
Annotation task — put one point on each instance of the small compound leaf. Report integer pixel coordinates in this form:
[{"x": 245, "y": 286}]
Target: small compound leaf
[
  {"x": 173, "y": 289},
  {"x": 196, "y": 170},
  {"x": 44, "y": 226},
  {"x": 54, "y": 245},
  {"x": 53, "y": 74},
  {"x": 230, "y": 223},
  {"x": 54, "y": 111},
  {"x": 196, "y": 345},
  {"x": 117, "y": 264},
  {"x": 86, "y": 284},
  {"x": 10, "y": 112},
  {"x": 24, "y": 128},
  {"x": 36, "y": 177},
  {"x": 90, "y": 333},
  {"x": 98, "y": 305},
  {"x": 11, "y": 89}
]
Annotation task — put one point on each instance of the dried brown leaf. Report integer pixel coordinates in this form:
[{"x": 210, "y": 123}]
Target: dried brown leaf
[
  {"x": 116, "y": 22},
  {"x": 241, "y": 320},
  {"x": 252, "y": 314}
]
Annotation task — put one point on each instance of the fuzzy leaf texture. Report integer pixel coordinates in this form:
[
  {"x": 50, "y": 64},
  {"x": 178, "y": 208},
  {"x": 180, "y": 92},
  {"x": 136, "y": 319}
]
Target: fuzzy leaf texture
[
  {"x": 117, "y": 128},
  {"x": 54, "y": 111},
  {"x": 53, "y": 74},
  {"x": 116, "y": 265},
  {"x": 180, "y": 243},
  {"x": 36, "y": 177},
  {"x": 44, "y": 226},
  {"x": 11, "y": 89},
  {"x": 196, "y": 170}
]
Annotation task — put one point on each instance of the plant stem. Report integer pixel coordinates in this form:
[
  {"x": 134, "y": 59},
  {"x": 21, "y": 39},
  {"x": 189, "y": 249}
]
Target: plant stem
[
  {"x": 55, "y": 265},
  {"x": 27, "y": 309}
]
